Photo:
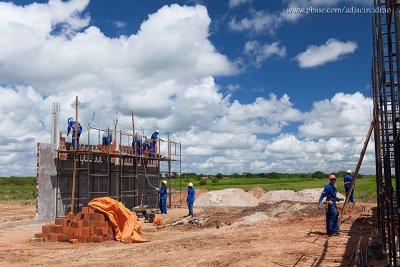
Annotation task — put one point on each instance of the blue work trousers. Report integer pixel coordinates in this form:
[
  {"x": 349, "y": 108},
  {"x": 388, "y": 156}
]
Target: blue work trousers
[
  {"x": 347, "y": 188},
  {"x": 332, "y": 219},
  {"x": 190, "y": 207},
  {"x": 163, "y": 206}
]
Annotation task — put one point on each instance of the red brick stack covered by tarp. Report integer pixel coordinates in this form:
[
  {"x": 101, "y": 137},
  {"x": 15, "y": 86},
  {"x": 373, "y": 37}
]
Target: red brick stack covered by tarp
[{"x": 125, "y": 224}]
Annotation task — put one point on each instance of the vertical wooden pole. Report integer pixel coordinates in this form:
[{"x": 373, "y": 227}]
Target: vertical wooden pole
[
  {"x": 75, "y": 149},
  {"x": 360, "y": 160}
]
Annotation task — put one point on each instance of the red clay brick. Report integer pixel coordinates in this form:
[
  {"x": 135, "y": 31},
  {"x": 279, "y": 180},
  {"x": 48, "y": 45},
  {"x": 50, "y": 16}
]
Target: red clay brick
[
  {"x": 76, "y": 224},
  {"x": 87, "y": 231},
  {"x": 82, "y": 239},
  {"x": 86, "y": 216},
  {"x": 61, "y": 221},
  {"x": 78, "y": 216},
  {"x": 85, "y": 210},
  {"x": 98, "y": 238},
  {"x": 90, "y": 239},
  {"x": 101, "y": 231},
  {"x": 99, "y": 217},
  {"x": 85, "y": 223},
  {"x": 70, "y": 216},
  {"x": 63, "y": 238},
  {"x": 111, "y": 237},
  {"x": 77, "y": 231},
  {"x": 73, "y": 241},
  {"x": 98, "y": 224},
  {"x": 58, "y": 229},
  {"x": 53, "y": 237},
  {"x": 91, "y": 210},
  {"x": 38, "y": 235},
  {"x": 48, "y": 228},
  {"x": 44, "y": 235}
]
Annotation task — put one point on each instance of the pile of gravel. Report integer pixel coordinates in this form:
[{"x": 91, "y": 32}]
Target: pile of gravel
[{"x": 230, "y": 197}]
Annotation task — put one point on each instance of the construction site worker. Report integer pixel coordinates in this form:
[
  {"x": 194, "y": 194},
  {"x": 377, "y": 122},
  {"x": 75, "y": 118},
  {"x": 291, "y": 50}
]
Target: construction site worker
[
  {"x": 107, "y": 138},
  {"x": 71, "y": 124},
  {"x": 348, "y": 178},
  {"x": 153, "y": 143},
  {"x": 332, "y": 214},
  {"x": 190, "y": 198},
  {"x": 139, "y": 148},
  {"x": 163, "y": 197}
]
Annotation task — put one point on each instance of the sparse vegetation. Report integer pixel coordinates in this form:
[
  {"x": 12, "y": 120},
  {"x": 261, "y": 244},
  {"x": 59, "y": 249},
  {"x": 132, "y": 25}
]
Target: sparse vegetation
[{"x": 17, "y": 188}]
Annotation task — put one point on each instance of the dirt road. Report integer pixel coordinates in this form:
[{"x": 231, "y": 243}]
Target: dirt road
[{"x": 267, "y": 235}]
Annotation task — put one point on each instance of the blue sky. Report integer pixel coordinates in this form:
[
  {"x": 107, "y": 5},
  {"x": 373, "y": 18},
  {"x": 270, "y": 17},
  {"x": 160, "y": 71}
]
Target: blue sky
[{"x": 244, "y": 85}]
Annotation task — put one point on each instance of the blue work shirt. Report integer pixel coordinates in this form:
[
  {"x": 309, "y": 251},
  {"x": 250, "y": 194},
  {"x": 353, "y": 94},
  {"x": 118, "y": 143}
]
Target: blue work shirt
[
  {"x": 190, "y": 197},
  {"x": 72, "y": 123},
  {"x": 330, "y": 193},
  {"x": 348, "y": 178},
  {"x": 105, "y": 138},
  {"x": 163, "y": 192},
  {"x": 154, "y": 136}
]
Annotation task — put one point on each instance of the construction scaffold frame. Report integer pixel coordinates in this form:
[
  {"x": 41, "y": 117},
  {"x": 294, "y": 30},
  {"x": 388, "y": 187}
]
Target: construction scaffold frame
[
  {"x": 116, "y": 171},
  {"x": 386, "y": 88}
]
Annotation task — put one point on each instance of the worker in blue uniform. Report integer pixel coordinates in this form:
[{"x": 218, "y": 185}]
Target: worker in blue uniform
[
  {"x": 153, "y": 143},
  {"x": 348, "y": 178},
  {"x": 190, "y": 198},
  {"x": 71, "y": 124},
  {"x": 139, "y": 146},
  {"x": 163, "y": 197},
  {"x": 107, "y": 138},
  {"x": 332, "y": 215},
  {"x": 145, "y": 147}
]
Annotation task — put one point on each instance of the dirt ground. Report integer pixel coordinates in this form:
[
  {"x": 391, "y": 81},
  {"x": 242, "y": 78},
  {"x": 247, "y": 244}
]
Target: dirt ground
[{"x": 280, "y": 234}]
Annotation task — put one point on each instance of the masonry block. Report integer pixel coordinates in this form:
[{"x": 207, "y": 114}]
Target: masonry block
[
  {"x": 58, "y": 229},
  {"x": 85, "y": 210},
  {"x": 101, "y": 231},
  {"x": 70, "y": 216},
  {"x": 53, "y": 237},
  {"x": 111, "y": 237},
  {"x": 91, "y": 210},
  {"x": 90, "y": 239},
  {"x": 86, "y": 216},
  {"x": 38, "y": 235},
  {"x": 61, "y": 221},
  {"x": 63, "y": 238},
  {"x": 45, "y": 235},
  {"x": 48, "y": 228},
  {"x": 99, "y": 217},
  {"x": 99, "y": 224},
  {"x": 77, "y": 231},
  {"x": 85, "y": 223},
  {"x": 78, "y": 216},
  {"x": 82, "y": 239},
  {"x": 76, "y": 224},
  {"x": 98, "y": 238},
  {"x": 73, "y": 241}
]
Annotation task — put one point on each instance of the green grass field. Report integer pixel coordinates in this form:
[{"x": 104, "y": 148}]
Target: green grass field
[{"x": 24, "y": 188}]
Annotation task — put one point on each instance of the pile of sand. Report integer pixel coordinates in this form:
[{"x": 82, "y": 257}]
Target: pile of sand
[
  {"x": 277, "y": 195},
  {"x": 230, "y": 197},
  {"x": 306, "y": 195},
  {"x": 257, "y": 192}
]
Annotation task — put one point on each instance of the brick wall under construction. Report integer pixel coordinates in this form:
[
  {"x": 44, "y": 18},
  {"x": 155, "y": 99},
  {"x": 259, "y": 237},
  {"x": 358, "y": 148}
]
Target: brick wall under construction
[{"x": 125, "y": 177}]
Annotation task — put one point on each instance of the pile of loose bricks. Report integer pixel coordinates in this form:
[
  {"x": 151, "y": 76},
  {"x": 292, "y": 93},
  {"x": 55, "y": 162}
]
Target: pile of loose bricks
[{"x": 87, "y": 226}]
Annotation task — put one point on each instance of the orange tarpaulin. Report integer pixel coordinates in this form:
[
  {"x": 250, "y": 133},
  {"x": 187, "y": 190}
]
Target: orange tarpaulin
[{"x": 125, "y": 223}]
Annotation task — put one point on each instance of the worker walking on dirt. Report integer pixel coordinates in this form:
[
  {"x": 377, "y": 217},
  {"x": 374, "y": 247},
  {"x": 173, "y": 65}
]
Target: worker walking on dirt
[
  {"x": 153, "y": 143},
  {"x": 72, "y": 124},
  {"x": 107, "y": 138},
  {"x": 348, "y": 178},
  {"x": 332, "y": 214},
  {"x": 163, "y": 197},
  {"x": 190, "y": 198}
]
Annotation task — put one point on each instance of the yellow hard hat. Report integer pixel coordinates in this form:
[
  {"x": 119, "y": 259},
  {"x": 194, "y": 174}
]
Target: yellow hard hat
[{"x": 164, "y": 182}]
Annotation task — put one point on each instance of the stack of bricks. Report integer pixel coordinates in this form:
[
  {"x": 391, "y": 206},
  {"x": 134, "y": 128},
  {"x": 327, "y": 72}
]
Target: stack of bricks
[
  {"x": 63, "y": 156},
  {"x": 87, "y": 226}
]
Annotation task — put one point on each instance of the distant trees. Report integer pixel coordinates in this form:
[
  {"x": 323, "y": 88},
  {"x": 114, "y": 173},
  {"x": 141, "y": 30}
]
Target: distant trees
[{"x": 318, "y": 174}]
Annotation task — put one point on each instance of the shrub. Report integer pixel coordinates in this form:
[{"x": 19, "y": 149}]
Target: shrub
[{"x": 203, "y": 181}]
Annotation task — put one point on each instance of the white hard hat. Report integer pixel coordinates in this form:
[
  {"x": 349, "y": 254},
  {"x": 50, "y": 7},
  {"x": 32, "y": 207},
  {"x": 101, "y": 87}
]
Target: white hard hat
[
  {"x": 348, "y": 171},
  {"x": 157, "y": 131},
  {"x": 190, "y": 184},
  {"x": 164, "y": 182}
]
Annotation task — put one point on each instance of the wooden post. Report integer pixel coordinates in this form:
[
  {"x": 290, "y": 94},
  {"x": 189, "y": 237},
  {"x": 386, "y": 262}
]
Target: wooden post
[
  {"x": 133, "y": 135},
  {"x": 360, "y": 160},
  {"x": 75, "y": 149}
]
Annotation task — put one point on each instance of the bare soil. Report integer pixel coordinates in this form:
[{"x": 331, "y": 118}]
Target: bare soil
[{"x": 280, "y": 234}]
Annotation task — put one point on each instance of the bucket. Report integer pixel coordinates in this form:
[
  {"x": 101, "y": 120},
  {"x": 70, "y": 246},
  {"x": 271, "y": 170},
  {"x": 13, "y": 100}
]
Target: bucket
[{"x": 376, "y": 250}]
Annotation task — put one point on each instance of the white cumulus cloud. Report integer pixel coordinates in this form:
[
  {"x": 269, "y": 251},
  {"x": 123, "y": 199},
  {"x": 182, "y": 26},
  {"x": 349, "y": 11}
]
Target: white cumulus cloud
[
  {"x": 259, "y": 53},
  {"x": 331, "y": 51}
]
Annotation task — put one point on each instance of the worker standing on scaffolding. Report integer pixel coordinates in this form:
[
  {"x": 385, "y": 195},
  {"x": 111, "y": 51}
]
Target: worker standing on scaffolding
[
  {"x": 139, "y": 144},
  {"x": 190, "y": 198},
  {"x": 332, "y": 215},
  {"x": 348, "y": 178},
  {"x": 107, "y": 138},
  {"x": 153, "y": 143},
  {"x": 163, "y": 197},
  {"x": 72, "y": 124}
]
